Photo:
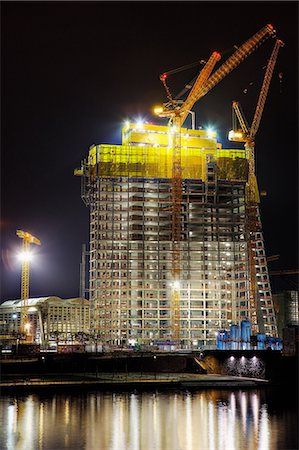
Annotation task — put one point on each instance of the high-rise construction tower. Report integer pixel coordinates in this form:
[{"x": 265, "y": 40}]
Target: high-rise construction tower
[
  {"x": 128, "y": 190},
  {"x": 171, "y": 246}
]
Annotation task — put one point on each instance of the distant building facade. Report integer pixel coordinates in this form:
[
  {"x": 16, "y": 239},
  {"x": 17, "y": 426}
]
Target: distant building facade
[
  {"x": 287, "y": 309},
  {"x": 48, "y": 316}
]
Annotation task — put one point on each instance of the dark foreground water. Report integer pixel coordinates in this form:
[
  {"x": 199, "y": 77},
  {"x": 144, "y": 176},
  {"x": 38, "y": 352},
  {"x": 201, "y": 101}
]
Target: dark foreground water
[{"x": 201, "y": 420}]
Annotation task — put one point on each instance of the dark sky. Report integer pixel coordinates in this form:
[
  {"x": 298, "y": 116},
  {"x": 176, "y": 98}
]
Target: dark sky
[{"x": 73, "y": 72}]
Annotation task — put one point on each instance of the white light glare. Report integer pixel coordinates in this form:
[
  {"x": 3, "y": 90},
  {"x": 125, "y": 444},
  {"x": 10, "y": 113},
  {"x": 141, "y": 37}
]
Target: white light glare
[
  {"x": 139, "y": 124},
  {"x": 25, "y": 256},
  {"x": 211, "y": 133},
  {"x": 176, "y": 284}
]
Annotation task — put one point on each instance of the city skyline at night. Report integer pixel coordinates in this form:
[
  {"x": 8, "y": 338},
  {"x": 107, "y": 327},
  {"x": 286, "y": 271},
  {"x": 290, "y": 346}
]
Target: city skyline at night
[{"x": 73, "y": 73}]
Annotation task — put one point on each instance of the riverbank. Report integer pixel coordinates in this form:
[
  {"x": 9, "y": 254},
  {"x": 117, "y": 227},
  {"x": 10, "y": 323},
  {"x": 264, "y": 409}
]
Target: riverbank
[
  {"x": 237, "y": 369},
  {"x": 128, "y": 381}
]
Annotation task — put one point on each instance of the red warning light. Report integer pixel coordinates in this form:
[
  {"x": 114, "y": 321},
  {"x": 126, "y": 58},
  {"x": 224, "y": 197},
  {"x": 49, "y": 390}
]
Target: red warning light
[
  {"x": 271, "y": 28},
  {"x": 217, "y": 55}
]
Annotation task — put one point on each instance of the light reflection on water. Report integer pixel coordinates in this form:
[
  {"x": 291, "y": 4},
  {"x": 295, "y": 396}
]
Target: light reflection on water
[{"x": 204, "y": 420}]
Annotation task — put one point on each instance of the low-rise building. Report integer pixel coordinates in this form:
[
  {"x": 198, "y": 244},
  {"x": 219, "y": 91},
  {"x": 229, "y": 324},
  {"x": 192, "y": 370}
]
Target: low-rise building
[{"x": 49, "y": 318}]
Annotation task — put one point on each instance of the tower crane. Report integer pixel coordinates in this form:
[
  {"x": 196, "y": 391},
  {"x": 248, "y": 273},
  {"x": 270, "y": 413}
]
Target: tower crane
[
  {"x": 284, "y": 272},
  {"x": 247, "y": 135},
  {"x": 177, "y": 114},
  {"x": 28, "y": 239},
  {"x": 177, "y": 117}
]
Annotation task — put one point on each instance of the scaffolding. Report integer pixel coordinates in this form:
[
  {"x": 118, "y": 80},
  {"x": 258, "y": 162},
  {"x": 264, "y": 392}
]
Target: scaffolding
[{"x": 128, "y": 189}]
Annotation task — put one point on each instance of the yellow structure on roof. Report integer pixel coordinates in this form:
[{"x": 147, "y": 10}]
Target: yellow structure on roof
[{"x": 145, "y": 152}]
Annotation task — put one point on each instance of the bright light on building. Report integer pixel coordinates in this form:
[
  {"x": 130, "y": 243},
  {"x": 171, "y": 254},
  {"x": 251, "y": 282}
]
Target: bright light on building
[
  {"x": 127, "y": 124},
  {"x": 176, "y": 285},
  {"x": 27, "y": 327},
  {"x": 158, "y": 109},
  {"x": 211, "y": 133},
  {"x": 172, "y": 129},
  {"x": 235, "y": 136},
  {"x": 139, "y": 124}
]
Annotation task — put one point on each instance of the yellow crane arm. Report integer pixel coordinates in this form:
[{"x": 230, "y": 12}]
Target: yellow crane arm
[
  {"x": 181, "y": 112},
  {"x": 29, "y": 238},
  {"x": 201, "y": 79},
  {"x": 236, "y": 58},
  {"x": 241, "y": 118},
  {"x": 264, "y": 89}
]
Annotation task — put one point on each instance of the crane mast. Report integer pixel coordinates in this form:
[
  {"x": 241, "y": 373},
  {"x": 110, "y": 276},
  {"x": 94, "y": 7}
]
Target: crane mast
[
  {"x": 177, "y": 115},
  {"x": 265, "y": 88},
  {"x": 252, "y": 192},
  {"x": 28, "y": 239}
]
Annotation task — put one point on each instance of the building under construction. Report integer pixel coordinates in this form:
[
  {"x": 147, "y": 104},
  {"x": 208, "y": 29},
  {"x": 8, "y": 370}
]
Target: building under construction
[{"x": 176, "y": 245}]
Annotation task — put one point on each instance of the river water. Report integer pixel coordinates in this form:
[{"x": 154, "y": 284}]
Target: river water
[{"x": 172, "y": 420}]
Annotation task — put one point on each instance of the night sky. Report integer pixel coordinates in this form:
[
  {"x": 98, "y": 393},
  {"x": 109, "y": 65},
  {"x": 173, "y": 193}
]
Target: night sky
[{"x": 73, "y": 72}]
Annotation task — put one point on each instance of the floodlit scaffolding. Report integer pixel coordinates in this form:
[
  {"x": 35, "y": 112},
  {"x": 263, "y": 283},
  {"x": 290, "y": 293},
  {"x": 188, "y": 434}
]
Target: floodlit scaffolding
[{"x": 128, "y": 190}]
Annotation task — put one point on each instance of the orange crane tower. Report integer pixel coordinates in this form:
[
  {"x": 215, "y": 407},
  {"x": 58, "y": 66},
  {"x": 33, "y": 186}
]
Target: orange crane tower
[
  {"x": 177, "y": 115},
  {"x": 28, "y": 239},
  {"x": 247, "y": 135},
  {"x": 177, "y": 118}
]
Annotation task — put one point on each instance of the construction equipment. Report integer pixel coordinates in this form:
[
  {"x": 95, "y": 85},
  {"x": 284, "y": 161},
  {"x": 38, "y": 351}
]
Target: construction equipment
[
  {"x": 177, "y": 112},
  {"x": 177, "y": 119},
  {"x": 28, "y": 239},
  {"x": 273, "y": 258},
  {"x": 284, "y": 272},
  {"x": 247, "y": 135}
]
